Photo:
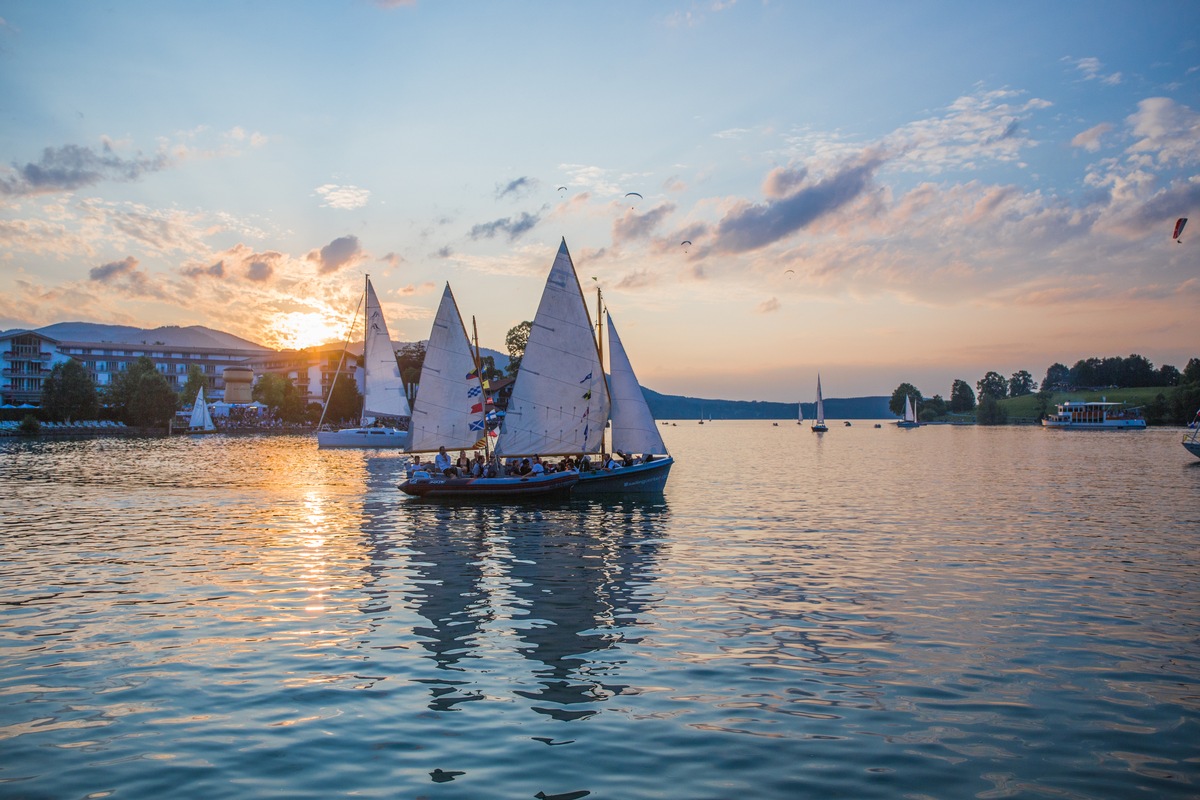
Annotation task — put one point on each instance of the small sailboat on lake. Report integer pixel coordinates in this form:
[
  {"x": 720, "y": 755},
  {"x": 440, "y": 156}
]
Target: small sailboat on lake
[
  {"x": 818, "y": 425},
  {"x": 385, "y": 405},
  {"x": 910, "y": 415},
  {"x": 201, "y": 420}
]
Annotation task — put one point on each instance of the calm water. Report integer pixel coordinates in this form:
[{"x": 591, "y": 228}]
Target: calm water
[{"x": 940, "y": 613}]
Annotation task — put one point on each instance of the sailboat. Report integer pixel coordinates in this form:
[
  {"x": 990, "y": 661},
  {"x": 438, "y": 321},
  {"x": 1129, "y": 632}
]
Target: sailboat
[
  {"x": 910, "y": 415},
  {"x": 800, "y": 413},
  {"x": 201, "y": 421},
  {"x": 818, "y": 425},
  {"x": 452, "y": 411},
  {"x": 561, "y": 403},
  {"x": 1192, "y": 443},
  {"x": 384, "y": 401}
]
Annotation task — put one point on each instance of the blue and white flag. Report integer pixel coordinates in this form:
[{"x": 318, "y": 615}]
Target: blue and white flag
[
  {"x": 587, "y": 377},
  {"x": 474, "y": 391}
]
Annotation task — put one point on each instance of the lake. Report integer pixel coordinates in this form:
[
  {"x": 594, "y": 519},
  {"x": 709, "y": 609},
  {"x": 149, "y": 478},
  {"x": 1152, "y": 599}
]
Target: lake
[{"x": 946, "y": 612}]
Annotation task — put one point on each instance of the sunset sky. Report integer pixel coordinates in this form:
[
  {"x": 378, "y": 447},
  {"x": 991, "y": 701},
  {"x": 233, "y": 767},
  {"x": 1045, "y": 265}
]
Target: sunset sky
[{"x": 882, "y": 192}]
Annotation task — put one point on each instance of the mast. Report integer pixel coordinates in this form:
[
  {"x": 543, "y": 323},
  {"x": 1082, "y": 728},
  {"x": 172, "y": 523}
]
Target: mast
[
  {"x": 600, "y": 352},
  {"x": 487, "y": 454}
]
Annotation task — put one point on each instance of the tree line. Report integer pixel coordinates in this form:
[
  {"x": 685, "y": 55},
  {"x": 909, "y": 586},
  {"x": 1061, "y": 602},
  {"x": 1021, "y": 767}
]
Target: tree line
[{"x": 1174, "y": 407}]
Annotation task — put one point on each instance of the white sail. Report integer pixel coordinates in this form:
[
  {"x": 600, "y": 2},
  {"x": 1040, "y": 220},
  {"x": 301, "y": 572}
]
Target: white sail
[
  {"x": 633, "y": 427},
  {"x": 201, "y": 419},
  {"x": 442, "y": 413},
  {"x": 383, "y": 391},
  {"x": 909, "y": 415},
  {"x": 820, "y": 403},
  {"x": 559, "y": 403}
]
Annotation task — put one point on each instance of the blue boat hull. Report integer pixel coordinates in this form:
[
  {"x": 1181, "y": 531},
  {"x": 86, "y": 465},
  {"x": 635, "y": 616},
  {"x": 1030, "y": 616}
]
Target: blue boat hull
[
  {"x": 441, "y": 488},
  {"x": 638, "y": 479}
]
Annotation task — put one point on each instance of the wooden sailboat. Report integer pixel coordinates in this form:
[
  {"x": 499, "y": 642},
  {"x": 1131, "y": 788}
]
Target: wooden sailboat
[
  {"x": 385, "y": 404},
  {"x": 452, "y": 411},
  {"x": 818, "y": 425}
]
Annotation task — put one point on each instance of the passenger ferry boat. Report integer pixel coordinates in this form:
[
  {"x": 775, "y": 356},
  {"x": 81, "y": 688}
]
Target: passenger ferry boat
[{"x": 1095, "y": 416}]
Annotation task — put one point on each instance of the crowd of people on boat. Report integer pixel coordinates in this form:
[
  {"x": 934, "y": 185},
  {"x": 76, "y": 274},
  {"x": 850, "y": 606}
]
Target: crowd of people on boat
[{"x": 515, "y": 467}]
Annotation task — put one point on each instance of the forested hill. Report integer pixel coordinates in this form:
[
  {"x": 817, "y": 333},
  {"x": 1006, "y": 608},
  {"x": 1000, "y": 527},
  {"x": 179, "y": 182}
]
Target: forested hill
[{"x": 669, "y": 406}]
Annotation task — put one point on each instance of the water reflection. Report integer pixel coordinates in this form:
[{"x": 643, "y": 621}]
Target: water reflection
[{"x": 579, "y": 583}]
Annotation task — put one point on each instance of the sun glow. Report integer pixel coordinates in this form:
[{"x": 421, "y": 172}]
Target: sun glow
[{"x": 300, "y": 329}]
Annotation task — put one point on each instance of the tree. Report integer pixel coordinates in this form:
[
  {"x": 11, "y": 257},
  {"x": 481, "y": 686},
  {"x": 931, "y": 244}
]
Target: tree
[
  {"x": 280, "y": 395},
  {"x": 1058, "y": 378},
  {"x": 1043, "y": 402},
  {"x": 411, "y": 359},
  {"x": 345, "y": 402},
  {"x": 896, "y": 404},
  {"x": 990, "y": 411},
  {"x": 933, "y": 408},
  {"x": 992, "y": 385},
  {"x": 142, "y": 394},
  {"x": 515, "y": 341},
  {"x": 1191, "y": 373},
  {"x": 1020, "y": 384},
  {"x": 195, "y": 382},
  {"x": 962, "y": 399},
  {"x": 488, "y": 366},
  {"x": 1168, "y": 376},
  {"x": 69, "y": 393}
]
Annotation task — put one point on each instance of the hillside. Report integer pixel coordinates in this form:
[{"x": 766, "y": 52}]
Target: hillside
[{"x": 665, "y": 406}]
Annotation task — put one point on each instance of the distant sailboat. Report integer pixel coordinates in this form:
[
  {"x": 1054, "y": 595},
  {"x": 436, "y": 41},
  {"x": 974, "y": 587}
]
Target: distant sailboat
[
  {"x": 800, "y": 413},
  {"x": 819, "y": 425},
  {"x": 383, "y": 389},
  {"x": 910, "y": 415},
  {"x": 201, "y": 421}
]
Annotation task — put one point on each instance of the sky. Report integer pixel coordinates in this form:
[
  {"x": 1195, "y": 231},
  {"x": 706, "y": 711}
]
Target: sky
[{"x": 877, "y": 192}]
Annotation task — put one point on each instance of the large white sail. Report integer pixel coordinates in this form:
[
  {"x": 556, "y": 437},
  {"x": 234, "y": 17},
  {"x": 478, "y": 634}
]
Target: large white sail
[
  {"x": 449, "y": 388},
  {"x": 633, "y": 426},
  {"x": 201, "y": 419},
  {"x": 383, "y": 393},
  {"x": 559, "y": 403}
]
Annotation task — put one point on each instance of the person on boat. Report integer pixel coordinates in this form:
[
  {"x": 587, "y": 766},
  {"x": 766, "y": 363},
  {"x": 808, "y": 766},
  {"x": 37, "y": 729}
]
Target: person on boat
[
  {"x": 415, "y": 466},
  {"x": 537, "y": 467},
  {"x": 585, "y": 463},
  {"x": 524, "y": 468},
  {"x": 478, "y": 466},
  {"x": 441, "y": 462},
  {"x": 463, "y": 464},
  {"x": 613, "y": 463}
]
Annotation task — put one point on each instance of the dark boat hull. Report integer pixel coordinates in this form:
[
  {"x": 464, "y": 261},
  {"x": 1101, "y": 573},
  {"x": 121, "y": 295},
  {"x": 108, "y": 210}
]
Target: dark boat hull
[
  {"x": 441, "y": 488},
  {"x": 638, "y": 479}
]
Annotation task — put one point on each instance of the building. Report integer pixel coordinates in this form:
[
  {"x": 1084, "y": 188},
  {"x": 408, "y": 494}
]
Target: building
[
  {"x": 26, "y": 360},
  {"x": 312, "y": 369},
  {"x": 105, "y": 360}
]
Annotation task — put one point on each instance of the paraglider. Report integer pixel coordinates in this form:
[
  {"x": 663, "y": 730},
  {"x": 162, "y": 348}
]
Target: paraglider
[
  {"x": 1179, "y": 223},
  {"x": 632, "y": 194},
  {"x": 562, "y": 188},
  {"x": 685, "y": 243},
  {"x": 789, "y": 272}
]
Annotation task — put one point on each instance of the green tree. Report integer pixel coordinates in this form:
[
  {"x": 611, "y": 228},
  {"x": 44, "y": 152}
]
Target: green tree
[
  {"x": 990, "y": 412},
  {"x": 69, "y": 393},
  {"x": 345, "y": 402},
  {"x": 896, "y": 404},
  {"x": 992, "y": 385},
  {"x": 195, "y": 381},
  {"x": 488, "y": 365},
  {"x": 962, "y": 398},
  {"x": 515, "y": 341},
  {"x": 142, "y": 395},
  {"x": 1191, "y": 373},
  {"x": 281, "y": 396},
  {"x": 1168, "y": 376},
  {"x": 1058, "y": 378},
  {"x": 1043, "y": 402},
  {"x": 933, "y": 408},
  {"x": 1021, "y": 383}
]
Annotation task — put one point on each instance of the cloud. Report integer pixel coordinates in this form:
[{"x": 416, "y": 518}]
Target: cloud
[
  {"x": 750, "y": 227},
  {"x": 72, "y": 167},
  {"x": 768, "y": 306},
  {"x": 346, "y": 198},
  {"x": 637, "y": 280},
  {"x": 259, "y": 271},
  {"x": 517, "y": 187},
  {"x": 513, "y": 227},
  {"x": 339, "y": 253},
  {"x": 216, "y": 270},
  {"x": 1091, "y": 68},
  {"x": 631, "y": 226},
  {"x": 1167, "y": 130},
  {"x": 1090, "y": 139},
  {"x": 113, "y": 270}
]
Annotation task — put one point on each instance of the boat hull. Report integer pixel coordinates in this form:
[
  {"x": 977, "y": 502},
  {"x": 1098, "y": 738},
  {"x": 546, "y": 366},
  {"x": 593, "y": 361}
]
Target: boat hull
[
  {"x": 638, "y": 479},
  {"x": 906, "y": 424},
  {"x": 371, "y": 438},
  {"x": 819, "y": 429},
  {"x": 1192, "y": 446},
  {"x": 442, "y": 488},
  {"x": 1107, "y": 425}
]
